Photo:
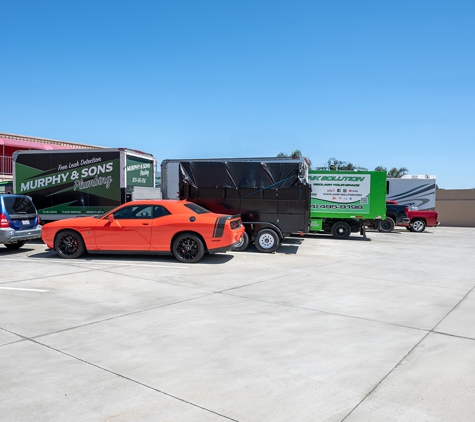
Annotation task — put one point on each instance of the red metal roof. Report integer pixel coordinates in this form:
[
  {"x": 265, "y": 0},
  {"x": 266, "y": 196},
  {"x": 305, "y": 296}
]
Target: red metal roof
[{"x": 33, "y": 145}]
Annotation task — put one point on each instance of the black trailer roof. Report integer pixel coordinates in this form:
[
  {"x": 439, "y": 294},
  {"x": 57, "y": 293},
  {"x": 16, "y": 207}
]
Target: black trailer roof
[{"x": 242, "y": 173}]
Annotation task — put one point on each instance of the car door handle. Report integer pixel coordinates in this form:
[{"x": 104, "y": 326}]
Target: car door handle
[{"x": 145, "y": 224}]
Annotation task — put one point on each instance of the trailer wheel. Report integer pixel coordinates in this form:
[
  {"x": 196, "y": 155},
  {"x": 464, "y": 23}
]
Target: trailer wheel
[
  {"x": 417, "y": 226},
  {"x": 266, "y": 240},
  {"x": 387, "y": 225},
  {"x": 69, "y": 244},
  {"x": 341, "y": 230},
  {"x": 242, "y": 246}
]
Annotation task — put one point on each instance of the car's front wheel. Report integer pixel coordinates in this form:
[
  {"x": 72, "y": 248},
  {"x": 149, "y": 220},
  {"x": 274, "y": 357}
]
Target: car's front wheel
[
  {"x": 16, "y": 245},
  {"x": 188, "y": 247},
  {"x": 69, "y": 244}
]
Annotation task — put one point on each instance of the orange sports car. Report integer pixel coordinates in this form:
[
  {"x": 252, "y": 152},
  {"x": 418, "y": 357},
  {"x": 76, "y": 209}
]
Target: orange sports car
[{"x": 181, "y": 228}]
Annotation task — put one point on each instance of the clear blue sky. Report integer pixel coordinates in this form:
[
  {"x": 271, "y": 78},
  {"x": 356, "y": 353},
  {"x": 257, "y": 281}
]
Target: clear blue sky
[{"x": 388, "y": 83}]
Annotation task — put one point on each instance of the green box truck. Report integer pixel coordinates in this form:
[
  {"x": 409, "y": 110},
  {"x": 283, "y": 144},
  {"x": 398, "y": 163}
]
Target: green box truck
[
  {"x": 72, "y": 183},
  {"x": 343, "y": 201}
]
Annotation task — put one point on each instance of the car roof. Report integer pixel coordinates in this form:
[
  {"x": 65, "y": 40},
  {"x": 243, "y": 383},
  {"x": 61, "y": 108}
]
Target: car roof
[
  {"x": 156, "y": 201},
  {"x": 173, "y": 203}
]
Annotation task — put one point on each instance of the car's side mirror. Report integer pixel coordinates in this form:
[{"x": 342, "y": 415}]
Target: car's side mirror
[{"x": 111, "y": 217}]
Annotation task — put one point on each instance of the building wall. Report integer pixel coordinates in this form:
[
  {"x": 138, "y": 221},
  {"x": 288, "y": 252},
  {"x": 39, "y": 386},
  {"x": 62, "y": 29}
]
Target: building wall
[
  {"x": 10, "y": 143},
  {"x": 456, "y": 207}
]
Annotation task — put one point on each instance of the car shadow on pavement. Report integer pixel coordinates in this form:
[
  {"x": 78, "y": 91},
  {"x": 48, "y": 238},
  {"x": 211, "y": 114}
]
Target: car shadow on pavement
[
  {"x": 139, "y": 258},
  {"x": 289, "y": 246},
  {"x": 4, "y": 251}
]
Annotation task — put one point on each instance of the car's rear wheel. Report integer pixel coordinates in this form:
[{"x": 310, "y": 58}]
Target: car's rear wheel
[
  {"x": 16, "y": 245},
  {"x": 387, "y": 225},
  {"x": 418, "y": 226},
  {"x": 243, "y": 244},
  {"x": 266, "y": 240},
  {"x": 341, "y": 230},
  {"x": 69, "y": 244},
  {"x": 188, "y": 247}
]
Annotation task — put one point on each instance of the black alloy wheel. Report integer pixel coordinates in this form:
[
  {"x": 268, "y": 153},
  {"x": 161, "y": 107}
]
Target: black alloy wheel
[
  {"x": 188, "y": 247},
  {"x": 69, "y": 244}
]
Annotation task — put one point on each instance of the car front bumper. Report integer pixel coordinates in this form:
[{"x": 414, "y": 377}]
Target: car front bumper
[{"x": 9, "y": 235}]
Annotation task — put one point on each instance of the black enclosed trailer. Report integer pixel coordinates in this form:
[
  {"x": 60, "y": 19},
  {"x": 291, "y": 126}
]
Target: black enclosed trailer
[{"x": 271, "y": 194}]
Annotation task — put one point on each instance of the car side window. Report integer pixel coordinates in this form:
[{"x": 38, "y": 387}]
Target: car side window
[
  {"x": 134, "y": 212},
  {"x": 159, "y": 211},
  {"x": 123, "y": 213},
  {"x": 142, "y": 211}
]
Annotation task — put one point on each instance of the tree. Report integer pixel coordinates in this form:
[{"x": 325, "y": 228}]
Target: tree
[
  {"x": 295, "y": 154},
  {"x": 397, "y": 173},
  {"x": 334, "y": 164},
  {"x": 394, "y": 173}
]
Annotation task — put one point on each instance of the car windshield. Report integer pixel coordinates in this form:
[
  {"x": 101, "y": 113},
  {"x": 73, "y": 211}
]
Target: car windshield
[
  {"x": 196, "y": 208},
  {"x": 18, "y": 205}
]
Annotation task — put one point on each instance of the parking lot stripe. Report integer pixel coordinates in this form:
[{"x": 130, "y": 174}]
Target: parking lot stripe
[
  {"x": 26, "y": 290},
  {"x": 121, "y": 263}
]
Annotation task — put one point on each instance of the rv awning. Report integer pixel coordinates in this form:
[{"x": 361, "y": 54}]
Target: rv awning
[{"x": 32, "y": 145}]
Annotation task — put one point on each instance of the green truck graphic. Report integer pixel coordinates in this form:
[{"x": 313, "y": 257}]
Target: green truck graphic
[
  {"x": 69, "y": 183},
  {"x": 343, "y": 200}
]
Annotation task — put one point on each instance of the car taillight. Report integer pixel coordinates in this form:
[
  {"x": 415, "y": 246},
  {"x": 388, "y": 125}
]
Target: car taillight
[
  {"x": 236, "y": 224},
  {"x": 39, "y": 219},
  {"x": 3, "y": 221},
  {"x": 406, "y": 209}
]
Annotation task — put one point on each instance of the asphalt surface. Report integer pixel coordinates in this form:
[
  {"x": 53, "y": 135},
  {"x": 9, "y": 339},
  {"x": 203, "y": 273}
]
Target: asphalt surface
[{"x": 380, "y": 329}]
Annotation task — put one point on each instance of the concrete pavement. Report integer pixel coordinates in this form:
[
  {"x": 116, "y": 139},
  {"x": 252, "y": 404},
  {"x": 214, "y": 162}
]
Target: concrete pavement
[{"x": 323, "y": 330}]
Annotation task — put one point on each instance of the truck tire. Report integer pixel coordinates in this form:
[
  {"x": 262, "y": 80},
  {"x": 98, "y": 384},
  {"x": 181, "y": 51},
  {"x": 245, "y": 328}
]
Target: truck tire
[
  {"x": 243, "y": 244},
  {"x": 417, "y": 225},
  {"x": 387, "y": 225},
  {"x": 341, "y": 230},
  {"x": 266, "y": 241}
]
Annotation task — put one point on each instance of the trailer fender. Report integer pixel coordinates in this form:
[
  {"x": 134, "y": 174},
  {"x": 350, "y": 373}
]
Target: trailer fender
[{"x": 252, "y": 227}]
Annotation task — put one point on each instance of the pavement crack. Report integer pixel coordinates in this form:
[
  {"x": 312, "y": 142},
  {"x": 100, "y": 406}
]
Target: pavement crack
[
  {"x": 431, "y": 331},
  {"x": 132, "y": 380}
]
